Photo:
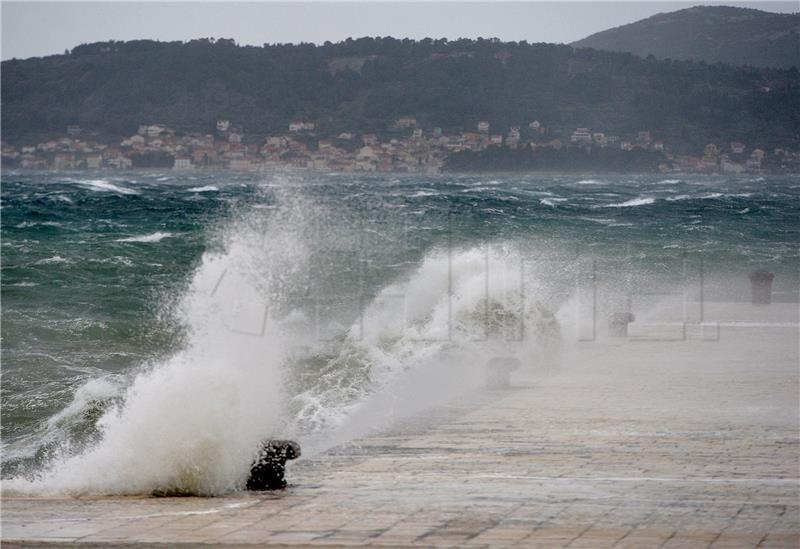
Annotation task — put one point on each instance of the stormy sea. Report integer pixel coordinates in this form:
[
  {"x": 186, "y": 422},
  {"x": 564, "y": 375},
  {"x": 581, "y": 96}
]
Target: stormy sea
[{"x": 158, "y": 325}]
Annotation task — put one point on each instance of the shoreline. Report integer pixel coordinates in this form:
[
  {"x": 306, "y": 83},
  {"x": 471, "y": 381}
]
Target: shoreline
[
  {"x": 304, "y": 171},
  {"x": 627, "y": 442}
]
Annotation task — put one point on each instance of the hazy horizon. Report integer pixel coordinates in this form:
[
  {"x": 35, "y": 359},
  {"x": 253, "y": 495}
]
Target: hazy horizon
[{"x": 35, "y": 29}]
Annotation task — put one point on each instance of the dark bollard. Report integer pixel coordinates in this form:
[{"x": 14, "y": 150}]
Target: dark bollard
[
  {"x": 618, "y": 324},
  {"x": 269, "y": 466},
  {"x": 498, "y": 372},
  {"x": 761, "y": 286}
]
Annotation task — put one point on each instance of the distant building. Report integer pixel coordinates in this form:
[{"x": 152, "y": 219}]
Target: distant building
[
  {"x": 155, "y": 130},
  {"x": 512, "y": 139},
  {"x": 405, "y": 122},
  {"x": 240, "y": 164},
  {"x": 737, "y": 147},
  {"x": 93, "y": 161},
  {"x": 599, "y": 138},
  {"x": 182, "y": 164},
  {"x": 644, "y": 137},
  {"x": 535, "y": 125},
  {"x": 296, "y": 127},
  {"x": 581, "y": 135},
  {"x": 753, "y": 164},
  {"x": 73, "y": 131},
  {"x": 555, "y": 144},
  {"x": 483, "y": 127},
  {"x": 120, "y": 162},
  {"x": 223, "y": 125},
  {"x": 730, "y": 167}
]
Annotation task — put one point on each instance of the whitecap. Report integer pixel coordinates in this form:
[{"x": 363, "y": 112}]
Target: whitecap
[
  {"x": 115, "y": 260},
  {"x": 101, "y": 185},
  {"x": 599, "y": 220},
  {"x": 679, "y": 197},
  {"x": 154, "y": 237},
  {"x": 204, "y": 189},
  {"x": 551, "y": 201},
  {"x": 422, "y": 193},
  {"x": 26, "y": 224},
  {"x": 639, "y": 201},
  {"x": 52, "y": 260},
  {"x": 589, "y": 182}
]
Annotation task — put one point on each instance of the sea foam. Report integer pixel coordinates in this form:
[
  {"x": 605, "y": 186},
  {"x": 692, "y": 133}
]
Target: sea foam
[
  {"x": 640, "y": 201},
  {"x": 188, "y": 424},
  {"x": 148, "y": 238},
  {"x": 102, "y": 185}
]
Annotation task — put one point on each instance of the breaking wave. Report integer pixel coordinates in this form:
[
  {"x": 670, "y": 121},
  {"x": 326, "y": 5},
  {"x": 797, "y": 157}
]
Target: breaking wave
[
  {"x": 148, "y": 238},
  {"x": 260, "y": 360},
  {"x": 640, "y": 201},
  {"x": 101, "y": 185}
]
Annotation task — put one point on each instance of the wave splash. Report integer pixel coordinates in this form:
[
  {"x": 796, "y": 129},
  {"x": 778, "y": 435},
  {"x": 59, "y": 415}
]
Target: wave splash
[{"x": 256, "y": 364}]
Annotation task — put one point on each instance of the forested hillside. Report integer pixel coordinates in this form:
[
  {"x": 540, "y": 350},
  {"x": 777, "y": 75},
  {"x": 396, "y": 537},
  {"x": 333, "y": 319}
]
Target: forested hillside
[
  {"x": 363, "y": 85},
  {"x": 724, "y": 34}
]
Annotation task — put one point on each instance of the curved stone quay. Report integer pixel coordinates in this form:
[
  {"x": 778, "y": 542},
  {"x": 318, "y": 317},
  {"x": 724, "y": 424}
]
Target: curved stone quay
[{"x": 630, "y": 442}]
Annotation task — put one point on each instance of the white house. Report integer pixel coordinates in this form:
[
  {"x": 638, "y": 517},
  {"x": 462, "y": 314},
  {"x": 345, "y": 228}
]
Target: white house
[{"x": 581, "y": 135}]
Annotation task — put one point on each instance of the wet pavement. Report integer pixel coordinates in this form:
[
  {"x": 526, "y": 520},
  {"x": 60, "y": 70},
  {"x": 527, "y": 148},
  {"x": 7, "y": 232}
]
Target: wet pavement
[{"x": 622, "y": 442}]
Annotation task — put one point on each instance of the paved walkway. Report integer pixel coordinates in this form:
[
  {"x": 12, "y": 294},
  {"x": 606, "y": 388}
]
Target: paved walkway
[{"x": 630, "y": 443}]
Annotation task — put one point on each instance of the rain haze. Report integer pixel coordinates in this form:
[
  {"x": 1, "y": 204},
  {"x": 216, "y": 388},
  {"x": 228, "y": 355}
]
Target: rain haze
[
  {"x": 433, "y": 274},
  {"x": 45, "y": 28}
]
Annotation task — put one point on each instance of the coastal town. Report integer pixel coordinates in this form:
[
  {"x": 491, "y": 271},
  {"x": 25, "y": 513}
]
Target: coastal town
[{"x": 405, "y": 146}]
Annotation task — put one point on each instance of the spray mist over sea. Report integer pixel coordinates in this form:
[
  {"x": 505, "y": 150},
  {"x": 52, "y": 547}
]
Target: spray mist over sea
[{"x": 157, "y": 326}]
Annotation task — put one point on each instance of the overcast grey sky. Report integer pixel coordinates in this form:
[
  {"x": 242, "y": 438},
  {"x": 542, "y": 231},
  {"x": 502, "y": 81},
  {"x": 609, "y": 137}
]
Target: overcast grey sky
[{"x": 43, "y": 28}]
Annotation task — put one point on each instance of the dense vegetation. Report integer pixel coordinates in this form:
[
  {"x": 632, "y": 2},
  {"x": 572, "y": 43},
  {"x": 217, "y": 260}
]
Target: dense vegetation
[
  {"x": 363, "y": 85},
  {"x": 709, "y": 33}
]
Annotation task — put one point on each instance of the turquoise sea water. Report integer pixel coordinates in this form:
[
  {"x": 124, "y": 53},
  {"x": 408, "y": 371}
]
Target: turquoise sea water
[{"x": 112, "y": 280}]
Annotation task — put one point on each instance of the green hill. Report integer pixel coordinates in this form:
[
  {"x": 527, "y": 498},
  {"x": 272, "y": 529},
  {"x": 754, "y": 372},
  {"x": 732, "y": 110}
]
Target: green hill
[
  {"x": 364, "y": 85},
  {"x": 709, "y": 33}
]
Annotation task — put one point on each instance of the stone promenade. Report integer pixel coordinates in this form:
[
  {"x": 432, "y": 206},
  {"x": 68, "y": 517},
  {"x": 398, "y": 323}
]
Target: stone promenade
[{"x": 628, "y": 443}]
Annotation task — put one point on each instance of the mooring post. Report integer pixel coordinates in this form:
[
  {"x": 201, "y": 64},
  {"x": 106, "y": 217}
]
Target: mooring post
[
  {"x": 498, "y": 372},
  {"x": 761, "y": 286},
  {"x": 618, "y": 324}
]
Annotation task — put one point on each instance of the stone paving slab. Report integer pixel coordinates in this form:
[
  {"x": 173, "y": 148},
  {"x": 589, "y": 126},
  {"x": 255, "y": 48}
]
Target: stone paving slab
[{"x": 627, "y": 444}]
